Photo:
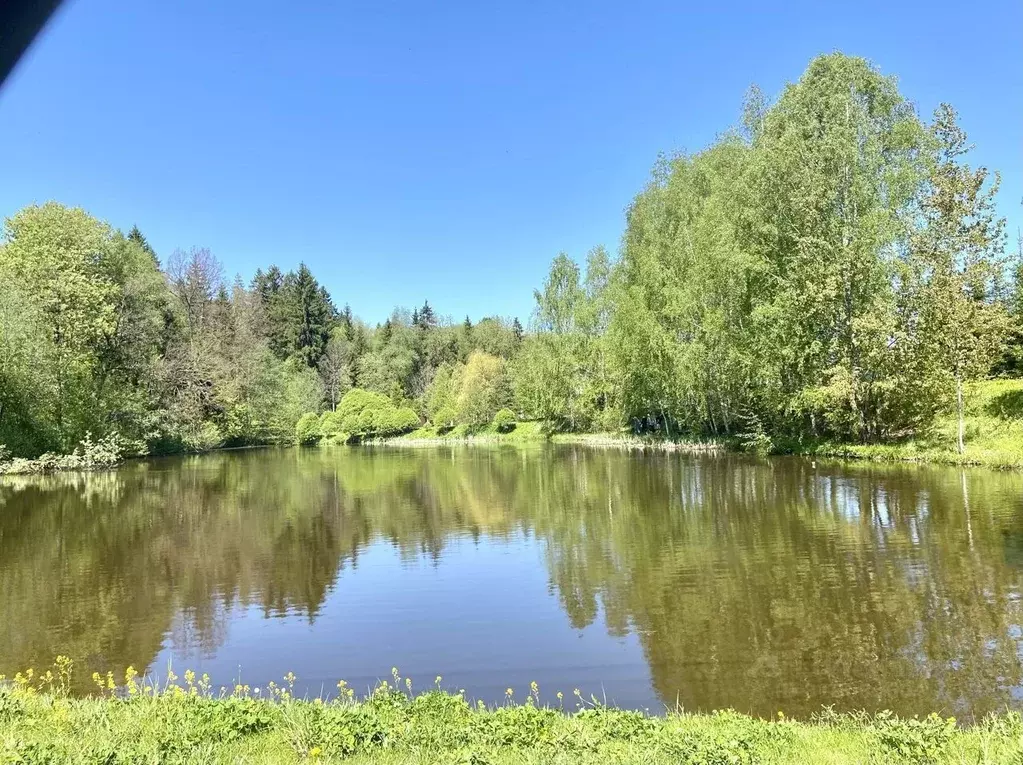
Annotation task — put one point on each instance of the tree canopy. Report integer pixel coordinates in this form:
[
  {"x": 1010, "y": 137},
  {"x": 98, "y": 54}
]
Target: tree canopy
[{"x": 832, "y": 267}]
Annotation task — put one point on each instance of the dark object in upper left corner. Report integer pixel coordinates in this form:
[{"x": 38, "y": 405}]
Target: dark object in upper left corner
[{"x": 20, "y": 22}]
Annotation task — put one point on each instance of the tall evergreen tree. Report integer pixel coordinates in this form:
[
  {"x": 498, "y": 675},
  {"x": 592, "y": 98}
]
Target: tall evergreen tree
[
  {"x": 138, "y": 238},
  {"x": 311, "y": 314},
  {"x": 426, "y": 317}
]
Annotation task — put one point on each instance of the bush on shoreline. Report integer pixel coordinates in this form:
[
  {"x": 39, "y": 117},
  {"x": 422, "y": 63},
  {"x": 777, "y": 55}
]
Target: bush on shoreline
[{"x": 107, "y": 452}]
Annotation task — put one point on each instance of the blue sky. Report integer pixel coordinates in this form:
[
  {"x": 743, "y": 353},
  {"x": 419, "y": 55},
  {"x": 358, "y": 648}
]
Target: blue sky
[{"x": 448, "y": 150}]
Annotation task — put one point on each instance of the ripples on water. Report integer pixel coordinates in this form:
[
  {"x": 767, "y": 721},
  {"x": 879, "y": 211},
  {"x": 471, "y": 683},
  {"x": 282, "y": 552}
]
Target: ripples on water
[{"x": 645, "y": 579}]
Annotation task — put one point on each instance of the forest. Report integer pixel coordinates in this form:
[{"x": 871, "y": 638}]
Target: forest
[{"x": 831, "y": 267}]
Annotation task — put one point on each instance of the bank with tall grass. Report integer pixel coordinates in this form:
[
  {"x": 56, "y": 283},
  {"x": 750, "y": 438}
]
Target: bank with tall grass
[{"x": 187, "y": 720}]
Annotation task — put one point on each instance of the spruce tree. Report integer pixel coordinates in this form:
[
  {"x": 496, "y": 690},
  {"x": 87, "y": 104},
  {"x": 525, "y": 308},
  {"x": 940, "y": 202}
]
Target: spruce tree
[{"x": 139, "y": 238}]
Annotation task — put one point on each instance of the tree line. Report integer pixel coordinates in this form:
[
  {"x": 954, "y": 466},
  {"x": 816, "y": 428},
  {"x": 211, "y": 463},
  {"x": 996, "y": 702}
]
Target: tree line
[{"x": 831, "y": 268}]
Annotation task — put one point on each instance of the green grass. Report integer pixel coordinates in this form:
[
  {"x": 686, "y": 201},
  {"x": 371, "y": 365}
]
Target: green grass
[
  {"x": 138, "y": 723},
  {"x": 993, "y": 433}
]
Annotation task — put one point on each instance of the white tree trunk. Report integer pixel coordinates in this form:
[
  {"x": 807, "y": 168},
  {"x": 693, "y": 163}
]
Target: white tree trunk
[{"x": 959, "y": 411}]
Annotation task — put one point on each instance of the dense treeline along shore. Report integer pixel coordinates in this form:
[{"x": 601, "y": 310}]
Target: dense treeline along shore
[
  {"x": 830, "y": 275},
  {"x": 188, "y": 720}
]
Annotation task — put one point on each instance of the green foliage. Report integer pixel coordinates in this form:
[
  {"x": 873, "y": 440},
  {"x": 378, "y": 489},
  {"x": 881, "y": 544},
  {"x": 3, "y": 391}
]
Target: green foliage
[
  {"x": 504, "y": 421},
  {"x": 307, "y": 430},
  {"x": 364, "y": 414},
  {"x": 189, "y": 723},
  {"x": 446, "y": 417},
  {"x": 300, "y": 311},
  {"x": 915, "y": 741},
  {"x": 88, "y": 455},
  {"x": 482, "y": 389},
  {"x": 92, "y": 304},
  {"x": 830, "y": 271},
  {"x": 204, "y": 437},
  {"x": 562, "y": 373}
]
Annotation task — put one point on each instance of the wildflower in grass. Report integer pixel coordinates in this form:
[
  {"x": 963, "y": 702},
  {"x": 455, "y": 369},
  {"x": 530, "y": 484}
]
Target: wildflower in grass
[
  {"x": 129, "y": 680},
  {"x": 437, "y": 680},
  {"x": 64, "y": 666},
  {"x": 315, "y": 752}
]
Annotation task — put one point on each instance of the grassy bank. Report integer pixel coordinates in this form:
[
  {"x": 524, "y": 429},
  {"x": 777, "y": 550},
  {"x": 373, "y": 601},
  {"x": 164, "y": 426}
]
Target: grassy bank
[
  {"x": 993, "y": 433},
  {"x": 190, "y": 722}
]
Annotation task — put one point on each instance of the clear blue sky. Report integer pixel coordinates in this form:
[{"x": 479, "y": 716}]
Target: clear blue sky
[{"x": 441, "y": 150}]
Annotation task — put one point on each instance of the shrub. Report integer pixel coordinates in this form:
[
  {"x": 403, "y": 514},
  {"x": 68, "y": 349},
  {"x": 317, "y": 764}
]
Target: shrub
[
  {"x": 504, "y": 421},
  {"x": 406, "y": 419},
  {"x": 445, "y": 417},
  {"x": 360, "y": 411},
  {"x": 914, "y": 740},
  {"x": 330, "y": 424},
  {"x": 204, "y": 438},
  {"x": 88, "y": 455},
  {"x": 307, "y": 430},
  {"x": 363, "y": 414}
]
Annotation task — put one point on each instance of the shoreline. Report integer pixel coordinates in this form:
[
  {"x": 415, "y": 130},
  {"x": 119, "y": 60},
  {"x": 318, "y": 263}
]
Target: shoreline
[
  {"x": 905, "y": 453},
  {"x": 138, "y": 720}
]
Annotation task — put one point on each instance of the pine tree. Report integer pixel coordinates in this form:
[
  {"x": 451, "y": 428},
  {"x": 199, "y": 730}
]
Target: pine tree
[
  {"x": 517, "y": 329},
  {"x": 311, "y": 313},
  {"x": 426, "y": 316},
  {"x": 269, "y": 287},
  {"x": 139, "y": 238}
]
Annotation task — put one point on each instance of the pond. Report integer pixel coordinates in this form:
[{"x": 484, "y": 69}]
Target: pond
[{"x": 647, "y": 579}]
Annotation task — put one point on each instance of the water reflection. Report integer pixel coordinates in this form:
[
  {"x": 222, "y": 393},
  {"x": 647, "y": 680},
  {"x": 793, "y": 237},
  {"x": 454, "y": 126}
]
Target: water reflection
[{"x": 711, "y": 581}]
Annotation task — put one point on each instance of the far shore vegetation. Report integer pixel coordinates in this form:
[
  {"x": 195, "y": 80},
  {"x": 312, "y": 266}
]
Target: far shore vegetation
[
  {"x": 186, "y": 719},
  {"x": 829, "y": 277}
]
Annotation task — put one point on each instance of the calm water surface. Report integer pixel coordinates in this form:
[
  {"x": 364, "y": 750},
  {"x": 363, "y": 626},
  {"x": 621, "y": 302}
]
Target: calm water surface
[{"x": 645, "y": 579}]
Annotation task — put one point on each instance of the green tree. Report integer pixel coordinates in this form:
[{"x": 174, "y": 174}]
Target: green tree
[
  {"x": 958, "y": 254},
  {"x": 336, "y": 365},
  {"x": 25, "y": 349},
  {"x": 138, "y": 238},
  {"x": 440, "y": 396},
  {"x": 99, "y": 299},
  {"x": 482, "y": 389}
]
